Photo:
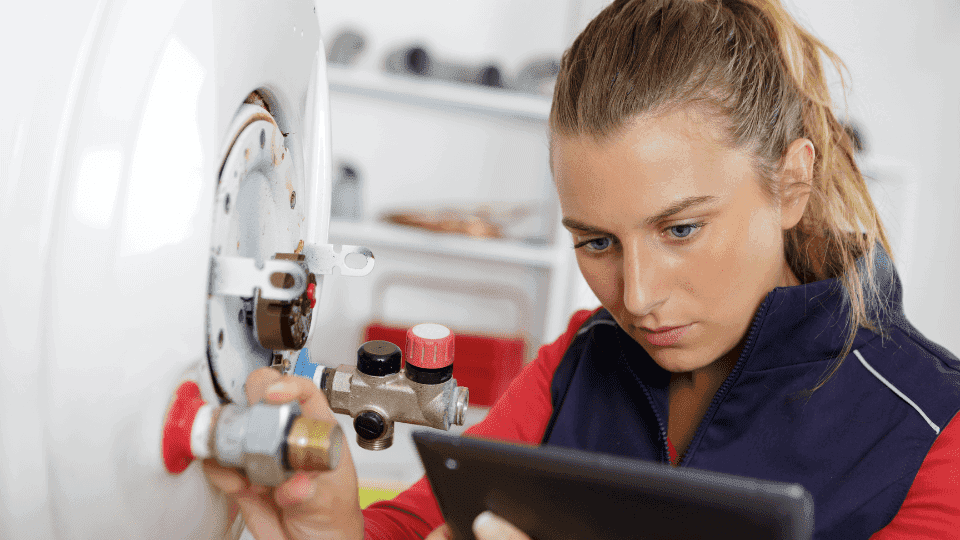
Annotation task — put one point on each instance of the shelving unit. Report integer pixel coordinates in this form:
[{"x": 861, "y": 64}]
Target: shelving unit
[
  {"x": 377, "y": 113},
  {"x": 439, "y": 94},
  {"x": 371, "y": 233}
]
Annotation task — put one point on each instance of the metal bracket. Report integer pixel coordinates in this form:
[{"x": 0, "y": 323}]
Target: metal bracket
[
  {"x": 323, "y": 258},
  {"x": 240, "y": 276}
]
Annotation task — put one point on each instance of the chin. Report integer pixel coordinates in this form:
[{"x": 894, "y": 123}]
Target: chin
[{"x": 676, "y": 360}]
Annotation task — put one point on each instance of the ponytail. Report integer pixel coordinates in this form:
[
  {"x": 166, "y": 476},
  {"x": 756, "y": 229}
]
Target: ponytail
[{"x": 841, "y": 223}]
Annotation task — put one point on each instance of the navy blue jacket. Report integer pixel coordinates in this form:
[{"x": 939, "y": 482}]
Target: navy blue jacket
[{"x": 856, "y": 443}]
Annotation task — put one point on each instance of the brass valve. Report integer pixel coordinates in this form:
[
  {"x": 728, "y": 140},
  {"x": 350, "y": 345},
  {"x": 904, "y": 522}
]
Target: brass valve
[{"x": 379, "y": 390}]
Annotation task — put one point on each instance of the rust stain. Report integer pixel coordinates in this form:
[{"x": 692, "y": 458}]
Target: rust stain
[
  {"x": 238, "y": 245},
  {"x": 246, "y": 154},
  {"x": 255, "y": 98},
  {"x": 299, "y": 248}
]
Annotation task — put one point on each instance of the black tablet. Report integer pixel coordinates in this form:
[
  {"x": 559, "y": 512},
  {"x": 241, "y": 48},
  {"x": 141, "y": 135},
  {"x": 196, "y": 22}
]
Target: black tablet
[{"x": 558, "y": 493}]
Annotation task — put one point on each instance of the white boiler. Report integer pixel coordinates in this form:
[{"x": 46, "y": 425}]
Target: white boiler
[{"x": 154, "y": 158}]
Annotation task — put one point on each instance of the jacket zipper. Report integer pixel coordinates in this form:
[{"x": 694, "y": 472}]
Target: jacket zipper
[
  {"x": 665, "y": 456},
  {"x": 724, "y": 388},
  {"x": 664, "y": 451}
]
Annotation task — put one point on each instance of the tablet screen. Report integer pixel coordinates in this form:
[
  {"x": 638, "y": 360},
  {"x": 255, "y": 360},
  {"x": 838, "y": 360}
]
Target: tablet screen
[{"x": 559, "y": 493}]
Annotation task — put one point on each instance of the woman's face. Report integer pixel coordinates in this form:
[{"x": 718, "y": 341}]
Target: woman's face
[{"x": 673, "y": 234}]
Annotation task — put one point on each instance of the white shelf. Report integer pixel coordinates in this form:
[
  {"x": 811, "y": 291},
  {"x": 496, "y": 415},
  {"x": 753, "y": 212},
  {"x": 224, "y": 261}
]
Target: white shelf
[
  {"x": 373, "y": 234},
  {"x": 438, "y": 94}
]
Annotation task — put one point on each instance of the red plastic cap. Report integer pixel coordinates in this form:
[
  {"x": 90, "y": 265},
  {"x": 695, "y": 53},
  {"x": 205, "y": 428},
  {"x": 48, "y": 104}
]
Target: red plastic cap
[
  {"x": 430, "y": 346},
  {"x": 312, "y": 294},
  {"x": 176, "y": 430}
]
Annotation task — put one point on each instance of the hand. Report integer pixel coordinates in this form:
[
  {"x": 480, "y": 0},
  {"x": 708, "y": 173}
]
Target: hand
[
  {"x": 310, "y": 505},
  {"x": 487, "y": 526}
]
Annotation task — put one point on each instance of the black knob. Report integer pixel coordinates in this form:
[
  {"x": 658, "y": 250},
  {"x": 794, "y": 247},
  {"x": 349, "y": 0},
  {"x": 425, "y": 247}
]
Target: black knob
[
  {"x": 378, "y": 358},
  {"x": 490, "y": 76},
  {"x": 369, "y": 425},
  {"x": 418, "y": 61}
]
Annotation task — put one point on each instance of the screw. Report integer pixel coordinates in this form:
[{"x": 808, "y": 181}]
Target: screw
[
  {"x": 369, "y": 425},
  {"x": 293, "y": 199},
  {"x": 226, "y": 204}
]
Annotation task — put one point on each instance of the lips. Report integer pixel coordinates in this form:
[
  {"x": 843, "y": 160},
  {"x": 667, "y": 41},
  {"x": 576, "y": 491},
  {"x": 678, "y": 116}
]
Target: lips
[{"x": 665, "y": 336}]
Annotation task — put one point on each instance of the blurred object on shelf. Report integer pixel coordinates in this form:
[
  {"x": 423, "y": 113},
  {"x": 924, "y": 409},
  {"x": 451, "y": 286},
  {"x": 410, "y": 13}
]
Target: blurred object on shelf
[
  {"x": 483, "y": 221},
  {"x": 448, "y": 221},
  {"x": 415, "y": 60},
  {"x": 347, "y": 196},
  {"x": 537, "y": 76},
  {"x": 346, "y": 47},
  {"x": 485, "y": 364}
]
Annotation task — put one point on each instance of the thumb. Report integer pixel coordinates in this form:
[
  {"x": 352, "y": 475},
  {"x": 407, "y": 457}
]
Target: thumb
[
  {"x": 442, "y": 532},
  {"x": 489, "y": 526}
]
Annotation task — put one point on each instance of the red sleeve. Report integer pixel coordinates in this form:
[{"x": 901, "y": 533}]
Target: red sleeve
[
  {"x": 520, "y": 414},
  {"x": 932, "y": 507}
]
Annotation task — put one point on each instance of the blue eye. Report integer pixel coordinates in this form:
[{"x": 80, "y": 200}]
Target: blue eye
[
  {"x": 685, "y": 230},
  {"x": 596, "y": 244},
  {"x": 599, "y": 244}
]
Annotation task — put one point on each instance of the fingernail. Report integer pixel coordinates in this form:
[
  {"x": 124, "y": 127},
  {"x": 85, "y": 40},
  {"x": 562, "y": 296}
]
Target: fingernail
[
  {"x": 280, "y": 387},
  {"x": 482, "y": 521}
]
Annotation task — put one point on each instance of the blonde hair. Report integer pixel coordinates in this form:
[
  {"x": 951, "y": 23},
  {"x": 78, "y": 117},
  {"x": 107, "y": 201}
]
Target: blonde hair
[{"x": 753, "y": 65}]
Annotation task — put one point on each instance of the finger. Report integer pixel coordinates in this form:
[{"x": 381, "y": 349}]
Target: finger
[
  {"x": 312, "y": 401},
  {"x": 322, "y": 493},
  {"x": 489, "y": 526},
  {"x": 325, "y": 499},
  {"x": 442, "y": 532},
  {"x": 260, "y": 516},
  {"x": 258, "y": 381},
  {"x": 229, "y": 481},
  {"x": 298, "y": 489}
]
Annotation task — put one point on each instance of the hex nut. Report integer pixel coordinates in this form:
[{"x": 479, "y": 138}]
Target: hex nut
[
  {"x": 263, "y": 445},
  {"x": 228, "y": 435}
]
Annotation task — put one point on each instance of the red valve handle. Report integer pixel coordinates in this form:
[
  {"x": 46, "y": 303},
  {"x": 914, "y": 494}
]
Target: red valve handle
[
  {"x": 430, "y": 346},
  {"x": 177, "y": 427}
]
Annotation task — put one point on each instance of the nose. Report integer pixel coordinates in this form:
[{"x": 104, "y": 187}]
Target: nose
[{"x": 643, "y": 287}]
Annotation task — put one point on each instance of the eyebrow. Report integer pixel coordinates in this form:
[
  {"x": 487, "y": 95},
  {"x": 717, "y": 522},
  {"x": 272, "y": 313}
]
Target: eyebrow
[
  {"x": 675, "y": 208},
  {"x": 680, "y": 206}
]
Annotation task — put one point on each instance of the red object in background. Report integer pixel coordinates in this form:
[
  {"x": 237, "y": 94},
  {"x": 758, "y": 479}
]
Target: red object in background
[{"x": 485, "y": 365}]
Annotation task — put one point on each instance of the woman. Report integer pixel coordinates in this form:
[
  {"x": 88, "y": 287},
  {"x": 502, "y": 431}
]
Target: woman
[{"x": 751, "y": 321}]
